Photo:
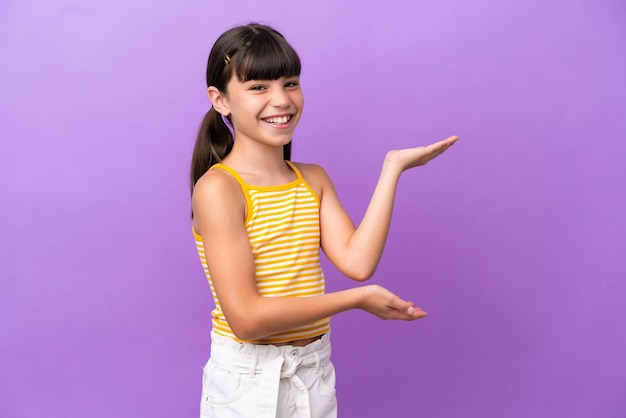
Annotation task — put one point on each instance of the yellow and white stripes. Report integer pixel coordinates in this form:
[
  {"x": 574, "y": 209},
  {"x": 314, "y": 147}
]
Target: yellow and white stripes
[{"x": 283, "y": 228}]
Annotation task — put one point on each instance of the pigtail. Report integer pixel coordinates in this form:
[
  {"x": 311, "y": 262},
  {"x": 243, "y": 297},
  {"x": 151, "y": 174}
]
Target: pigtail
[
  {"x": 214, "y": 143},
  {"x": 250, "y": 52}
]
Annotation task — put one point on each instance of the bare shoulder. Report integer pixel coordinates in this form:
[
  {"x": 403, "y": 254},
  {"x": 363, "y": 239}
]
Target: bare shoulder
[
  {"x": 313, "y": 173},
  {"x": 217, "y": 197},
  {"x": 214, "y": 183}
]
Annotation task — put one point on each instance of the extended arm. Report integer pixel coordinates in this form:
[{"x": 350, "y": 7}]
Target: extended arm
[{"x": 357, "y": 251}]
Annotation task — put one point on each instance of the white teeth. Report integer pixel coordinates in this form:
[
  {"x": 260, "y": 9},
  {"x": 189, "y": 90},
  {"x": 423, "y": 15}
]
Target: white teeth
[{"x": 278, "y": 120}]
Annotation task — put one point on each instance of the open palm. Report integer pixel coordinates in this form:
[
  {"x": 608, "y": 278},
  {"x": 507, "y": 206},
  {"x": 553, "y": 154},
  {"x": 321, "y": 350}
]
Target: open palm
[{"x": 414, "y": 157}]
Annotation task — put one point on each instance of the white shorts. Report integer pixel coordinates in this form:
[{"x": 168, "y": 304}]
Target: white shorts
[{"x": 253, "y": 380}]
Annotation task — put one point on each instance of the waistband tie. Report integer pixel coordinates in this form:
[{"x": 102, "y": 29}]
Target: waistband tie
[{"x": 270, "y": 371}]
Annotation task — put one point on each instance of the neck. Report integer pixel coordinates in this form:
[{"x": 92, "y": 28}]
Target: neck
[{"x": 259, "y": 164}]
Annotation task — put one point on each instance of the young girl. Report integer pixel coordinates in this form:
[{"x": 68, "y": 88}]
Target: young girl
[{"x": 259, "y": 221}]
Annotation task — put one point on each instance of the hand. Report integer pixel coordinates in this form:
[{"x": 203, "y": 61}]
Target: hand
[
  {"x": 413, "y": 157},
  {"x": 381, "y": 302}
]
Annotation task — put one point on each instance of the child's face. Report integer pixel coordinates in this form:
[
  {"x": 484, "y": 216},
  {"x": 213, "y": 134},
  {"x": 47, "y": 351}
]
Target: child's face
[{"x": 266, "y": 111}]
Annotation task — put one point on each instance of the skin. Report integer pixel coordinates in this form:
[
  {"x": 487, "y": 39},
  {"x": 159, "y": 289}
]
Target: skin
[{"x": 257, "y": 157}]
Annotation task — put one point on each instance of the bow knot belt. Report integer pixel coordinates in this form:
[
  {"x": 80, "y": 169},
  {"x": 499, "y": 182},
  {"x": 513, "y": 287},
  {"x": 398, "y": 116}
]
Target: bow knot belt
[{"x": 270, "y": 364}]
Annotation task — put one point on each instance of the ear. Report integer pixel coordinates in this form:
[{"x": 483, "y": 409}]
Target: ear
[{"x": 218, "y": 100}]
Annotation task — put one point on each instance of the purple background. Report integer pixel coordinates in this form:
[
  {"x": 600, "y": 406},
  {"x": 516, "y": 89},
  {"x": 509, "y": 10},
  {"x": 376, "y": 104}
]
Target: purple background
[{"x": 513, "y": 241}]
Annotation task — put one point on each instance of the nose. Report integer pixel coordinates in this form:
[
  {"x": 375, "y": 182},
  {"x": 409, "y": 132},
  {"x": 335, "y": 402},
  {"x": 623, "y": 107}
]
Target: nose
[{"x": 280, "y": 97}]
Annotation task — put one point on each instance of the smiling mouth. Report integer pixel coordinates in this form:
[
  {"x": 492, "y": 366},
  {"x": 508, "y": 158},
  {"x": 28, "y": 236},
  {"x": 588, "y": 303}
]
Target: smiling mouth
[{"x": 278, "y": 120}]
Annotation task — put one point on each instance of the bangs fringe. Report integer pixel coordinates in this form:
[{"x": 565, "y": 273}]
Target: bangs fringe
[{"x": 268, "y": 58}]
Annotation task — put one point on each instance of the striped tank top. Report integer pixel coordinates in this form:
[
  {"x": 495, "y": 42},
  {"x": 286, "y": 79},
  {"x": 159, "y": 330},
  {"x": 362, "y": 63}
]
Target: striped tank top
[{"x": 282, "y": 224}]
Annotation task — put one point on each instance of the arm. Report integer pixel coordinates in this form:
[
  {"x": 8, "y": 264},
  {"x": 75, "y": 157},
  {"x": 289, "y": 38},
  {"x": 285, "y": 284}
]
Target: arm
[
  {"x": 230, "y": 261},
  {"x": 357, "y": 251}
]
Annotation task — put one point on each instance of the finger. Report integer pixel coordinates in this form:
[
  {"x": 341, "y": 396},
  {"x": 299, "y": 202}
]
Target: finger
[
  {"x": 441, "y": 146},
  {"x": 451, "y": 139},
  {"x": 418, "y": 313},
  {"x": 448, "y": 142},
  {"x": 438, "y": 149},
  {"x": 400, "y": 305},
  {"x": 402, "y": 310},
  {"x": 414, "y": 312},
  {"x": 411, "y": 314}
]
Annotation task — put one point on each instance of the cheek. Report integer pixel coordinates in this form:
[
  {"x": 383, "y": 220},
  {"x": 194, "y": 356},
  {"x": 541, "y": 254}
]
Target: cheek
[
  {"x": 239, "y": 114},
  {"x": 298, "y": 100}
]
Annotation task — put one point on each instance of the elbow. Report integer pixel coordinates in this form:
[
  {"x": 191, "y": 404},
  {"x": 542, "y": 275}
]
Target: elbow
[
  {"x": 249, "y": 327},
  {"x": 243, "y": 335},
  {"x": 359, "y": 267},
  {"x": 244, "y": 330},
  {"x": 361, "y": 277},
  {"x": 251, "y": 323},
  {"x": 361, "y": 274}
]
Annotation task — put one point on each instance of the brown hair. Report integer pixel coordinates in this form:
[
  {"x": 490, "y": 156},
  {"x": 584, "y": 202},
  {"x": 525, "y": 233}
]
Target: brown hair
[{"x": 253, "y": 52}]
